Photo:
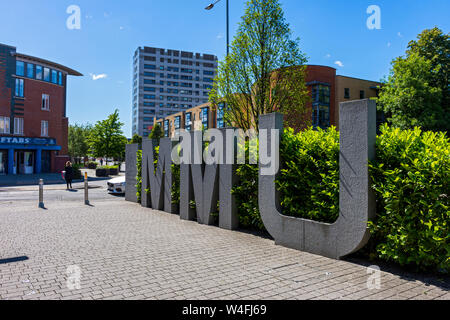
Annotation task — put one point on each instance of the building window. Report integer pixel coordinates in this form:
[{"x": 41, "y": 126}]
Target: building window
[
  {"x": 188, "y": 122},
  {"x": 39, "y": 72},
  {"x": 44, "y": 128},
  {"x": 177, "y": 122},
  {"x": 166, "y": 128},
  {"x": 4, "y": 125},
  {"x": 47, "y": 74},
  {"x": 321, "y": 94},
  {"x": 20, "y": 68},
  {"x": 45, "y": 102},
  {"x": 204, "y": 117},
  {"x": 18, "y": 126},
  {"x": 60, "y": 82},
  {"x": 19, "y": 88},
  {"x": 54, "y": 77},
  {"x": 321, "y": 116},
  {"x": 362, "y": 94},
  {"x": 220, "y": 115},
  {"x": 347, "y": 93},
  {"x": 30, "y": 70}
]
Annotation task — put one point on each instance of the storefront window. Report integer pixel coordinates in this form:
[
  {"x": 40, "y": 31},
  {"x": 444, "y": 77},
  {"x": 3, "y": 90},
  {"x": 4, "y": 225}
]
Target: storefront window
[{"x": 23, "y": 162}]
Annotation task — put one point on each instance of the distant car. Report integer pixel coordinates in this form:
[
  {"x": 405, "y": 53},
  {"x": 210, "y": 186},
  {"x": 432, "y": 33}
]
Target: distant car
[{"x": 117, "y": 185}]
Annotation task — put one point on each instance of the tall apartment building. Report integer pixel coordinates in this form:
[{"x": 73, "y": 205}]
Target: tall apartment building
[
  {"x": 166, "y": 82},
  {"x": 33, "y": 117}
]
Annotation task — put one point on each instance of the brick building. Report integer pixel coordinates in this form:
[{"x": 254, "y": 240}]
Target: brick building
[
  {"x": 33, "y": 120},
  {"x": 327, "y": 91}
]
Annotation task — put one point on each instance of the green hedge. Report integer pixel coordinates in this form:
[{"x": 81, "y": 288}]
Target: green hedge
[
  {"x": 77, "y": 172},
  {"x": 139, "y": 172},
  {"x": 308, "y": 182},
  {"x": 410, "y": 178},
  {"x": 139, "y": 175},
  {"x": 108, "y": 167}
]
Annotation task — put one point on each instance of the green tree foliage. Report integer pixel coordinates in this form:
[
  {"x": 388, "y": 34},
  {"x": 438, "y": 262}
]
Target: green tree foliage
[
  {"x": 434, "y": 46},
  {"x": 156, "y": 133},
  {"x": 264, "y": 70},
  {"x": 106, "y": 138},
  {"x": 78, "y": 140},
  {"x": 416, "y": 92},
  {"x": 136, "y": 139}
]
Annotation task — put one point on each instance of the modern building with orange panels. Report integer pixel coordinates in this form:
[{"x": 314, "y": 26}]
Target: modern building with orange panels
[{"x": 327, "y": 90}]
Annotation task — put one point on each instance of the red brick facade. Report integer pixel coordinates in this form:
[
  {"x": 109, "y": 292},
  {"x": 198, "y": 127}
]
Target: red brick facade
[{"x": 48, "y": 151}]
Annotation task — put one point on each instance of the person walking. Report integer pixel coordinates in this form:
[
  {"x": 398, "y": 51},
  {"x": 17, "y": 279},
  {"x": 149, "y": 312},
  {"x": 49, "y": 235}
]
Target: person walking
[{"x": 69, "y": 174}]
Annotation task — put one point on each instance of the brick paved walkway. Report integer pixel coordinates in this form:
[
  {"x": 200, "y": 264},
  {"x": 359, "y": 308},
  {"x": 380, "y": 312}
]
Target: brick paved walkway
[{"x": 127, "y": 252}]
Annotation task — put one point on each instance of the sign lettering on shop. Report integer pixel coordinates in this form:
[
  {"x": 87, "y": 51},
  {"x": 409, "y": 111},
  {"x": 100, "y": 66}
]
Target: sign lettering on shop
[{"x": 24, "y": 140}]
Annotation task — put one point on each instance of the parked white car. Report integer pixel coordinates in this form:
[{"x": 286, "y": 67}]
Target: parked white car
[{"x": 117, "y": 185}]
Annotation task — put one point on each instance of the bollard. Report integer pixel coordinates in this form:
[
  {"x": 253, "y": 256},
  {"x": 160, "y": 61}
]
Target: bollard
[
  {"x": 41, "y": 194},
  {"x": 86, "y": 188}
]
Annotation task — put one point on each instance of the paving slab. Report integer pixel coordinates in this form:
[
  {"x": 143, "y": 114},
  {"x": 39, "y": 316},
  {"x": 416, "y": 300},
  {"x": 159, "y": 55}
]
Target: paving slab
[{"x": 119, "y": 250}]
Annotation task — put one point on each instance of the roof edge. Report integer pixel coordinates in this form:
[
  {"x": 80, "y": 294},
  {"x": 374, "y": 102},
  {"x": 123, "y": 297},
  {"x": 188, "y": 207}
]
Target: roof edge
[{"x": 69, "y": 71}]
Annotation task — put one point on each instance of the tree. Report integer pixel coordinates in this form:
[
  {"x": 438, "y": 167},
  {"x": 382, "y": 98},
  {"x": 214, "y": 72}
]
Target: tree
[
  {"x": 416, "y": 92},
  {"x": 78, "y": 140},
  {"x": 156, "y": 133},
  {"x": 265, "y": 70},
  {"x": 136, "y": 139},
  {"x": 106, "y": 138}
]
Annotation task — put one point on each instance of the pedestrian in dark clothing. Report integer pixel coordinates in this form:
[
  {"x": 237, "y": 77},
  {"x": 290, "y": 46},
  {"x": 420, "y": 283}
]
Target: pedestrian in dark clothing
[{"x": 69, "y": 174}]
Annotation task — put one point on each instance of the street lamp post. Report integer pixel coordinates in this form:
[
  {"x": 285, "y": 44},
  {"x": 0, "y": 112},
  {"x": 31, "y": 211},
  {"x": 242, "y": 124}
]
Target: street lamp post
[{"x": 228, "y": 21}]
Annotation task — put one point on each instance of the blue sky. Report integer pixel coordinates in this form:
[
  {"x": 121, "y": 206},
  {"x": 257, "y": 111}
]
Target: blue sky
[{"x": 332, "y": 33}]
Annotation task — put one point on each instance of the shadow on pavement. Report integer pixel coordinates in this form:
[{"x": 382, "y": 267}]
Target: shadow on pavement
[
  {"x": 428, "y": 278},
  {"x": 12, "y": 260}
]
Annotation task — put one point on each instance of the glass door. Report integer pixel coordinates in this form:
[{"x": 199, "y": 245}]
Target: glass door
[
  {"x": 24, "y": 162},
  {"x": 3, "y": 161},
  {"x": 28, "y": 162}
]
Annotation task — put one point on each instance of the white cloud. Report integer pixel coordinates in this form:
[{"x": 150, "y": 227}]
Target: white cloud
[
  {"x": 328, "y": 56},
  {"x": 339, "y": 63},
  {"x": 219, "y": 36},
  {"x": 98, "y": 76},
  {"x": 400, "y": 34},
  {"x": 389, "y": 44},
  {"x": 121, "y": 28}
]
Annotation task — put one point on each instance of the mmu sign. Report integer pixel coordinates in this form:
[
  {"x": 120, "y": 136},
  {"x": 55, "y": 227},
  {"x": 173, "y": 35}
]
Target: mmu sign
[{"x": 206, "y": 184}]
